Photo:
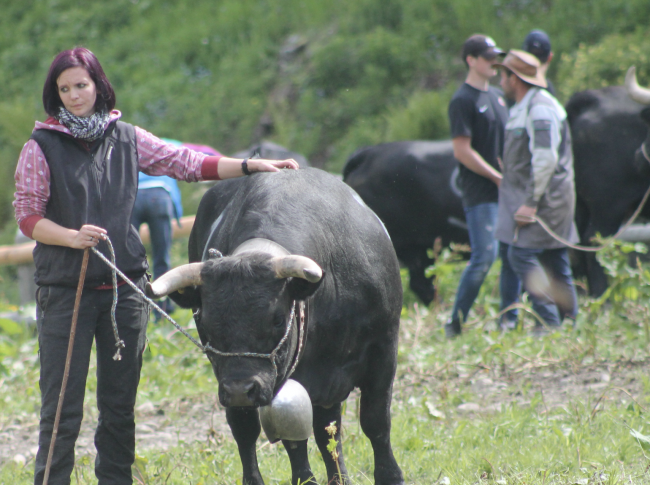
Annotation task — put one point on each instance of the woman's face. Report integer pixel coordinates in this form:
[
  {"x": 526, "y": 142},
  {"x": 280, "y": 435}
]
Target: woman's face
[{"x": 77, "y": 91}]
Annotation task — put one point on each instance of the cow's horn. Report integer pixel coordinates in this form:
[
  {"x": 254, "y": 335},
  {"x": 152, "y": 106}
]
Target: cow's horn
[
  {"x": 636, "y": 92},
  {"x": 297, "y": 267},
  {"x": 175, "y": 279}
]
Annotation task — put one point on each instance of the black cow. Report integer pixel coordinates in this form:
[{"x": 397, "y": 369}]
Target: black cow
[
  {"x": 411, "y": 186},
  {"x": 607, "y": 131},
  {"x": 279, "y": 232}
]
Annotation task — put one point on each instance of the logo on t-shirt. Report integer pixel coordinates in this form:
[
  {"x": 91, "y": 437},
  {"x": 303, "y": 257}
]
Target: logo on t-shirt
[
  {"x": 501, "y": 101},
  {"x": 483, "y": 109}
]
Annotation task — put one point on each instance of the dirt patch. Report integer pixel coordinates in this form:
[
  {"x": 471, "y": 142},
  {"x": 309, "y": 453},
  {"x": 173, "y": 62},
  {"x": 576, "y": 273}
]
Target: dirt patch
[
  {"x": 165, "y": 425},
  {"x": 158, "y": 426},
  {"x": 490, "y": 389}
]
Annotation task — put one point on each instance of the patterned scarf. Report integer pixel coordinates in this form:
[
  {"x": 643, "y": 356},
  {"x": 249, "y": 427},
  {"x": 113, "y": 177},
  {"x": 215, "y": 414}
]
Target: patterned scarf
[{"x": 88, "y": 128}]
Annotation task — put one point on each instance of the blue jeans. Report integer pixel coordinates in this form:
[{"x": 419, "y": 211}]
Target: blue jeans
[
  {"x": 155, "y": 208},
  {"x": 555, "y": 298},
  {"x": 509, "y": 284},
  {"x": 481, "y": 224}
]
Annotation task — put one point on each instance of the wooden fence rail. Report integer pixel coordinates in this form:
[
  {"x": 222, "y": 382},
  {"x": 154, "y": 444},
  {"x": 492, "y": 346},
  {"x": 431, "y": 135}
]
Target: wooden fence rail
[{"x": 22, "y": 253}]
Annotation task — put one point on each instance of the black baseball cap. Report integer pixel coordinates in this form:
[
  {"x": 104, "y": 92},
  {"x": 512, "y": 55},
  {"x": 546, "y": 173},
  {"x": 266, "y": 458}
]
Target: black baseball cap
[
  {"x": 481, "y": 45},
  {"x": 538, "y": 44}
]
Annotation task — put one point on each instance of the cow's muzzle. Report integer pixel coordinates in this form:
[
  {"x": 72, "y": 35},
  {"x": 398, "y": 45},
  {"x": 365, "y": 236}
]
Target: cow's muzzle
[{"x": 242, "y": 393}]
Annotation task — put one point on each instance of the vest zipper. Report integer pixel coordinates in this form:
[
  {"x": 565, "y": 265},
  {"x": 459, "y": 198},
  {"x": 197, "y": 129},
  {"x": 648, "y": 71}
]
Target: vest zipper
[{"x": 97, "y": 187}]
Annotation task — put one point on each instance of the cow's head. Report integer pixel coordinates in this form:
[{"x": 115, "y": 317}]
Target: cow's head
[
  {"x": 640, "y": 95},
  {"x": 244, "y": 306}
]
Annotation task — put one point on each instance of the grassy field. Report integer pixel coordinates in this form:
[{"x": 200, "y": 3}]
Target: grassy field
[{"x": 493, "y": 408}]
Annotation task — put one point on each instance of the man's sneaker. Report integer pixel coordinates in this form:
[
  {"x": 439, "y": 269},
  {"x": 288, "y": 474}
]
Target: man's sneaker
[{"x": 452, "y": 329}]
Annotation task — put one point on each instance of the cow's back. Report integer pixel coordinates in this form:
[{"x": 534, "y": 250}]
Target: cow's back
[
  {"x": 410, "y": 185},
  {"x": 606, "y": 130}
]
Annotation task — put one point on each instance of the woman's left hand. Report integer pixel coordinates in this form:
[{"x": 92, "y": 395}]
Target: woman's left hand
[{"x": 262, "y": 165}]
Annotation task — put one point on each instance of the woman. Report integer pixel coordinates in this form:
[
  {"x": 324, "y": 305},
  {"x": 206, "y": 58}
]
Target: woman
[{"x": 76, "y": 183}]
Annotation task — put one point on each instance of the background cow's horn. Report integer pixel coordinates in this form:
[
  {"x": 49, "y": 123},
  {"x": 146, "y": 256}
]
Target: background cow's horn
[
  {"x": 175, "y": 279},
  {"x": 636, "y": 92},
  {"x": 297, "y": 267}
]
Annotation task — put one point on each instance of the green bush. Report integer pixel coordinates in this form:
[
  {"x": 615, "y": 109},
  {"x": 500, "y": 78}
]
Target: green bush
[
  {"x": 605, "y": 63},
  {"x": 370, "y": 70}
]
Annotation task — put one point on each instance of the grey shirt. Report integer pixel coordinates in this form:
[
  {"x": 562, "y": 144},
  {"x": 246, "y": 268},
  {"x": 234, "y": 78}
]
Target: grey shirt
[{"x": 537, "y": 172}]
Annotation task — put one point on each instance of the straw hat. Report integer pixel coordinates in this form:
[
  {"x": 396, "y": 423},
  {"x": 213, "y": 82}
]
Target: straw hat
[{"x": 525, "y": 66}]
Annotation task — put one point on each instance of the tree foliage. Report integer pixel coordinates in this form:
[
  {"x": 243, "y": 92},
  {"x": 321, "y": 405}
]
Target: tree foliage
[{"x": 322, "y": 78}]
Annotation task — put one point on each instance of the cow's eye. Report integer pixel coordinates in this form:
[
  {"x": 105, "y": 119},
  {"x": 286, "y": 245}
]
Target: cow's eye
[{"x": 278, "y": 321}]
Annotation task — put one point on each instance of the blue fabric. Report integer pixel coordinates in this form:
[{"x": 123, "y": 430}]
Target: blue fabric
[
  {"x": 155, "y": 208},
  {"x": 558, "y": 302},
  {"x": 169, "y": 184},
  {"x": 509, "y": 284},
  {"x": 481, "y": 223}
]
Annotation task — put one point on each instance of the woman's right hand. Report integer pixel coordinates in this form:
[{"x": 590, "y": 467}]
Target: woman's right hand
[{"x": 88, "y": 237}]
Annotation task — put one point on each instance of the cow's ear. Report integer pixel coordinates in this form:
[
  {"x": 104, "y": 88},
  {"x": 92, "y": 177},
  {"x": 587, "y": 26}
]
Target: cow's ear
[
  {"x": 300, "y": 289},
  {"x": 189, "y": 297}
]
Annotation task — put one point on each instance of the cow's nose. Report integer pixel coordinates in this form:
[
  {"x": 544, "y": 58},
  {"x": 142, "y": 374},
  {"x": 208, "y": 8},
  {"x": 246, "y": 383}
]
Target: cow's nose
[{"x": 240, "y": 393}]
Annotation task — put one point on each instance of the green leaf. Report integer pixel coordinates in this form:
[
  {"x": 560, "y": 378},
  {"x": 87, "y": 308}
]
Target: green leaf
[
  {"x": 10, "y": 327},
  {"x": 643, "y": 440},
  {"x": 631, "y": 293},
  {"x": 331, "y": 446}
]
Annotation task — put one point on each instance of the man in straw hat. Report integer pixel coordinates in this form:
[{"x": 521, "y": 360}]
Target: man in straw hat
[{"x": 537, "y": 183}]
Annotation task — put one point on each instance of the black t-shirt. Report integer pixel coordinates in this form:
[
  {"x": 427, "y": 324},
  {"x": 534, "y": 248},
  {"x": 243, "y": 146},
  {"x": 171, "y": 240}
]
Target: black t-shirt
[{"x": 481, "y": 115}]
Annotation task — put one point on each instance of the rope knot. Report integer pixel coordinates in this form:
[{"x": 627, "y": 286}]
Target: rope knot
[{"x": 120, "y": 345}]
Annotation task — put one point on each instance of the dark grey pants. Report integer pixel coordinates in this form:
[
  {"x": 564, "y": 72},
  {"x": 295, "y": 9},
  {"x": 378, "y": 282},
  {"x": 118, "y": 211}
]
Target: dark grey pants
[
  {"x": 553, "y": 305},
  {"x": 117, "y": 381}
]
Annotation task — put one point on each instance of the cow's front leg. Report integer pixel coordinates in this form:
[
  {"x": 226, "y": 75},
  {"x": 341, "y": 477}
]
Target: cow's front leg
[
  {"x": 245, "y": 426},
  {"x": 300, "y": 469},
  {"x": 322, "y": 419}
]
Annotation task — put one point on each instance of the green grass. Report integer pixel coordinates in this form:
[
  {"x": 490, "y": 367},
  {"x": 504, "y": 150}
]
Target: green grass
[{"x": 526, "y": 434}]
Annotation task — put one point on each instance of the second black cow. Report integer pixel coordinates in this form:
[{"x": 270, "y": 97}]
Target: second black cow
[{"x": 411, "y": 186}]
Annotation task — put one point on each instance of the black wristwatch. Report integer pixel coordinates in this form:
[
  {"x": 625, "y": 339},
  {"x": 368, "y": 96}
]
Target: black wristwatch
[{"x": 244, "y": 167}]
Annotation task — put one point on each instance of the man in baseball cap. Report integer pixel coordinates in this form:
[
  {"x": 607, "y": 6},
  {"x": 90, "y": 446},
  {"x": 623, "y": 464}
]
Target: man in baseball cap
[
  {"x": 477, "y": 118},
  {"x": 481, "y": 45},
  {"x": 538, "y": 44}
]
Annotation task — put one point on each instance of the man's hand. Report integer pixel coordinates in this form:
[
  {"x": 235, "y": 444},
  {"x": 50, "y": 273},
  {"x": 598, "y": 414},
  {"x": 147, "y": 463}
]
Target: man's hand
[
  {"x": 525, "y": 215},
  {"x": 469, "y": 157}
]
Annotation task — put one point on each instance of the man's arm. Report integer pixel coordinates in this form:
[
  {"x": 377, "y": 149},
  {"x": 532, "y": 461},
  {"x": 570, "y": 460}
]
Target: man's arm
[{"x": 469, "y": 157}]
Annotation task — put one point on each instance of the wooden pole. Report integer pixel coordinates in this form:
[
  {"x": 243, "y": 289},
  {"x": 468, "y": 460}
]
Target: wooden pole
[{"x": 68, "y": 358}]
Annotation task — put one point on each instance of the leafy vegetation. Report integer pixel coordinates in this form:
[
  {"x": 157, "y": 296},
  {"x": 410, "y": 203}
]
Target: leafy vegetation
[
  {"x": 488, "y": 407},
  {"x": 323, "y": 78}
]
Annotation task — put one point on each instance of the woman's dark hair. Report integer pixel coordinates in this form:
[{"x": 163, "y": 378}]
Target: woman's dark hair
[{"x": 77, "y": 57}]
